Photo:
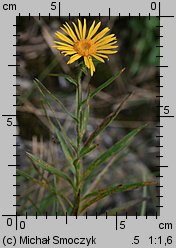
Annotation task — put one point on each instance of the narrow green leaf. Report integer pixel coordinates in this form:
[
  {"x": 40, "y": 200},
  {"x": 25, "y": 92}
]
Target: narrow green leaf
[
  {"x": 100, "y": 194},
  {"x": 45, "y": 166},
  {"x": 85, "y": 151},
  {"x": 144, "y": 204},
  {"x": 64, "y": 145},
  {"x": 67, "y": 77},
  {"x": 34, "y": 205},
  {"x": 116, "y": 148},
  {"x": 32, "y": 179},
  {"x": 106, "y": 122},
  {"x": 56, "y": 201},
  {"x": 54, "y": 192},
  {"x": 46, "y": 202},
  {"x": 40, "y": 86},
  {"x": 124, "y": 208},
  {"x": 64, "y": 140},
  {"x": 98, "y": 179},
  {"x": 106, "y": 84}
]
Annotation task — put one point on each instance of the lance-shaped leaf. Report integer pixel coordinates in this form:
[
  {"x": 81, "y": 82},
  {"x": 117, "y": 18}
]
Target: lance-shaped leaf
[
  {"x": 124, "y": 208},
  {"x": 67, "y": 77},
  {"x": 32, "y": 179},
  {"x": 64, "y": 145},
  {"x": 88, "y": 149},
  {"x": 46, "y": 202},
  {"x": 105, "y": 84},
  {"x": 34, "y": 205},
  {"x": 41, "y": 86},
  {"x": 45, "y": 166},
  {"x": 116, "y": 148},
  {"x": 64, "y": 140},
  {"x": 100, "y": 194},
  {"x": 106, "y": 122}
]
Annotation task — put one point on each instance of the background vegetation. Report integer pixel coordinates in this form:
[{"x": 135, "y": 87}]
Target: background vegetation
[{"x": 137, "y": 40}]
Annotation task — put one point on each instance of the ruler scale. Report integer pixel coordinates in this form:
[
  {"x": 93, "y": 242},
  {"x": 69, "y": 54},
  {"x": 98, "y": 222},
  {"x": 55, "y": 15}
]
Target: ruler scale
[{"x": 17, "y": 230}]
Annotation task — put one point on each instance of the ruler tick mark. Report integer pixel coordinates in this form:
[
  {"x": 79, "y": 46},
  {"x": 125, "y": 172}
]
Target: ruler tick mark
[
  {"x": 167, "y": 116},
  {"x": 162, "y": 166},
  {"x": 126, "y": 215},
  {"x": 16, "y": 55},
  {"x": 136, "y": 215},
  {"x": 14, "y": 165},
  {"x": 156, "y": 215},
  {"x": 66, "y": 218},
  {"x": 116, "y": 222}
]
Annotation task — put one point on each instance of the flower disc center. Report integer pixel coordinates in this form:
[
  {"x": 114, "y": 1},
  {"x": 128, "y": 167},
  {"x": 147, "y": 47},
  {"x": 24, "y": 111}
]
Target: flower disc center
[{"x": 85, "y": 47}]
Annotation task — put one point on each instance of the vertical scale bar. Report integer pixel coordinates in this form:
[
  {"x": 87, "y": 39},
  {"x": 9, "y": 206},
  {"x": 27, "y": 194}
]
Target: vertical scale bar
[
  {"x": 158, "y": 103},
  {"x": 159, "y": 199},
  {"x": 15, "y": 185},
  {"x": 16, "y": 120},
  {"x": 18, "y": 18}
]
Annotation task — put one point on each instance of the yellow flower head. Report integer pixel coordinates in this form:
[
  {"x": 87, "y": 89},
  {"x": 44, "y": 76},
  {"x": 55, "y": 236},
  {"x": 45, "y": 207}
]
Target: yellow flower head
[{"x": 88, "y": 44}]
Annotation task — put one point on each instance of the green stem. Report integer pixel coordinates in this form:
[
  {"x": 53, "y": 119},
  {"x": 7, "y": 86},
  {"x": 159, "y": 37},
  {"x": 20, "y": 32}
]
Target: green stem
[
  {"x": 78, "y": 164},
  {"x": 79, "y": 110}
]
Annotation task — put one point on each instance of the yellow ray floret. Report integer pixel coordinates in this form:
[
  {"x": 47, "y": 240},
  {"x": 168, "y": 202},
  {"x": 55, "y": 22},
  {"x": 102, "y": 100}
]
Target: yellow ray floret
[{"x": 89, "y": 44}]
